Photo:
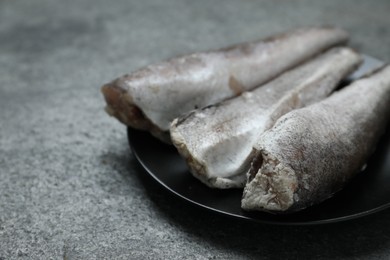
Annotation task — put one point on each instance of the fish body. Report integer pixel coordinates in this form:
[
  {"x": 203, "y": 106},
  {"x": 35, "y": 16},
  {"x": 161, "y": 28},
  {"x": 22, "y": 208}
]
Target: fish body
[
  {"x": 151, "y": 97},
  {"x": 312, "y": 152},
  {"x": 217, "y": 141}
]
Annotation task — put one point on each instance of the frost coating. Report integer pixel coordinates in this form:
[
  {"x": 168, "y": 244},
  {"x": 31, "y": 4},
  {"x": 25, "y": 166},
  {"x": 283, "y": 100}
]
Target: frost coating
[
  {"x": 272, "y": 187},
  {"x": 217, "y": 141},
  {"x": 324, "y": 144},
  {"x": 150, "y": 98}
]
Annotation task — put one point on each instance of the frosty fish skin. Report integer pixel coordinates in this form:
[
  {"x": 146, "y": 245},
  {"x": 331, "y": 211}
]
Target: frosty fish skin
[
  {"x": 217, "y": 141},
  {"x": 312, "y": 152},
  {"x": 150, "y": 98}
]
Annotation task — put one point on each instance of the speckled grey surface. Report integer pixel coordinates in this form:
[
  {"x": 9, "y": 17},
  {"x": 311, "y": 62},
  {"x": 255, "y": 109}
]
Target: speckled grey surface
[{"x": 69, "y": 186}]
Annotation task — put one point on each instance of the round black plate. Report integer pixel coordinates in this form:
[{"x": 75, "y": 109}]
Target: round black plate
[{"x": 368, "y": 192}]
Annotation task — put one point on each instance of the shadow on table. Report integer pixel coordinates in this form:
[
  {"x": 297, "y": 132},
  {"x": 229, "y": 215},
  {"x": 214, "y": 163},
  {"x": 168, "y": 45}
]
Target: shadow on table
[{"x": 353, "y": 238}]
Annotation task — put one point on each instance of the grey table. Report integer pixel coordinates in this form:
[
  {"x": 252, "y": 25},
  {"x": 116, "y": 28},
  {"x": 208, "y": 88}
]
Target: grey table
[{"x": 70, "y": 187}]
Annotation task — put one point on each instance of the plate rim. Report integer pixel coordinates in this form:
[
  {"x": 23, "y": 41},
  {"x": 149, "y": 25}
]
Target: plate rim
[
  {"x": 242, "y": 217},
  {"x": 358, "y": 73}
]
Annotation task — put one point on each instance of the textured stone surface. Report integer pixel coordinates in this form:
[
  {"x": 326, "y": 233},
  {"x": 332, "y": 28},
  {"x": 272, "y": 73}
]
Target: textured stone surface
[{"x": 69, "y": 186}]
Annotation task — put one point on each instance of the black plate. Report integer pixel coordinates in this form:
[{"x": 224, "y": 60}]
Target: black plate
[{"x": 368, "y": 192}]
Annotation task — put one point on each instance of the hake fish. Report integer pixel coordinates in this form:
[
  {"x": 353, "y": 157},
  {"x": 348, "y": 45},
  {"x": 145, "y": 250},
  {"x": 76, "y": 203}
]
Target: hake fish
[
  {"x": 150, "y": 98},
  {"x": 312, "y": 152},
  {"x": 217, "y": 141}
]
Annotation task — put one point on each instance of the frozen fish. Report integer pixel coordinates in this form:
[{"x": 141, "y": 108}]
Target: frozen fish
[
  {"x": 217, "y": 141},
  {"x": 150, "y": 98},
  {"x": 312, "y": 152}
]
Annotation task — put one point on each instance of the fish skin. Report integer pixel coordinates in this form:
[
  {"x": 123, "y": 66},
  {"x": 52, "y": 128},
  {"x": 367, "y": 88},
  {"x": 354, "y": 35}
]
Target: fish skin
[
  {"x": 217, "y": 141},
  {"x": 311, "y": 153},
  {"x": 151, "y": 97}
]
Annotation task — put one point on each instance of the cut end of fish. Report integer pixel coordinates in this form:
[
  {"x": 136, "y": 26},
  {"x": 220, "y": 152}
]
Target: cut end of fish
[
  {"x": 198, "y": 167},
  {"x": 271, "y": 185},
  {"x": 121, "y": 106}
]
